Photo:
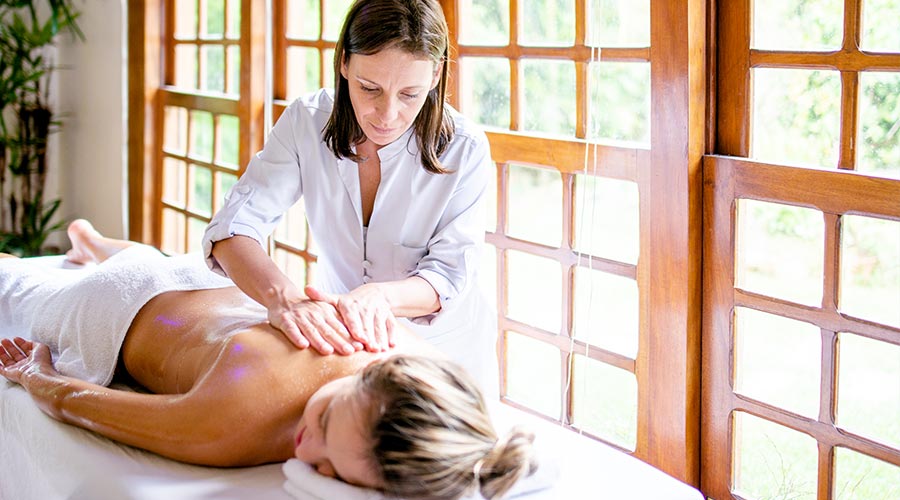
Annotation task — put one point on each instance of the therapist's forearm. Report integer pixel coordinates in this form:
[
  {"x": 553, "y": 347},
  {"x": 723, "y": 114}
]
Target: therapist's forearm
[
  {"x": 411, "y": 297},
  {"x": 251, "y": 269}
]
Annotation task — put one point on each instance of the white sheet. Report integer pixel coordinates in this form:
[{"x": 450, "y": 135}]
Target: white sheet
[{"x": 41, "y": 458}]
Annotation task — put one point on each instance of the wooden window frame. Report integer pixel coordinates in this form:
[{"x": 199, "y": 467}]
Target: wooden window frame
[
  {"x": 667, "y": 174},
  {"x": 833, "y": 192}
]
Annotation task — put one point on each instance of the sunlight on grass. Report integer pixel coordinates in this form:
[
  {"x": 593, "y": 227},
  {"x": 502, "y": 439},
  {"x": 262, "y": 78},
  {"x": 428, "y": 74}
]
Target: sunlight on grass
[
  {"x": 605, "y": 401},
  {"x": 777, "y": 360},
  {"x": 870, "y": 269},
  {"x": 860, "y": 477},
  {"x": 779, "y": 251},
  {"x": 773, "y": 462},
  {"x": 868, "y": 382}
]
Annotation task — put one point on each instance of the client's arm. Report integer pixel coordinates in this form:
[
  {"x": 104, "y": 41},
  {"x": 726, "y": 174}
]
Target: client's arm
[{"x": 178, "y": 426}]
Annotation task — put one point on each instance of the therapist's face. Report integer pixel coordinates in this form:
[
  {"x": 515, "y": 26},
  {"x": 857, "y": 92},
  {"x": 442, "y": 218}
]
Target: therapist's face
[
  {"x": 387, "y": 90},
  {"x": 332, "y": 435}
]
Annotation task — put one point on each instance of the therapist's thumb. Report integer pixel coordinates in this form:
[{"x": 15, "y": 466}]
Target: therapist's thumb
[{"x": 315, "y": 294}]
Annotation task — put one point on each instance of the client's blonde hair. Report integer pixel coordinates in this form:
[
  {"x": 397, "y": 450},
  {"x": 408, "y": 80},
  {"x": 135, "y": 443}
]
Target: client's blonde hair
[{"x": 432, "y": 436}]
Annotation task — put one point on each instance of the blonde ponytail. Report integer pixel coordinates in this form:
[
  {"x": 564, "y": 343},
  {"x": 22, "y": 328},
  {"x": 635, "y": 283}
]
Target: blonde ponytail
[
  {"x": 432, "y": 436},
  {"x": 511, "y": 459}
]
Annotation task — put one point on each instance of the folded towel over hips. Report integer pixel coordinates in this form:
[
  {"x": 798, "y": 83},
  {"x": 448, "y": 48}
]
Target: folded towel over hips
[
  {"x": 83, "y": 317},
  {"x": 304, "y": 483}
]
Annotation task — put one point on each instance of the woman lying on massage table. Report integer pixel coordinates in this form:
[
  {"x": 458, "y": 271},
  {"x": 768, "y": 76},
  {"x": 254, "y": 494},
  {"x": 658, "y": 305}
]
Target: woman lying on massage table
[{"x": 229, "y": 390}]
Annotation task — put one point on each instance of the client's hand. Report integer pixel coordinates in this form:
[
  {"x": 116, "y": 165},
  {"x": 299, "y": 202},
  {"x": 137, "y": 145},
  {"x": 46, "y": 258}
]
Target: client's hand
[
  {"x": 365, "y": 312},
  {"x": 18, "y": 357}
]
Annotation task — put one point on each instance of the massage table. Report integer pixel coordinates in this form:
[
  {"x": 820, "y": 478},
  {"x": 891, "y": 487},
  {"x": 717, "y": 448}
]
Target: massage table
[{"x": 41, "y": 458}]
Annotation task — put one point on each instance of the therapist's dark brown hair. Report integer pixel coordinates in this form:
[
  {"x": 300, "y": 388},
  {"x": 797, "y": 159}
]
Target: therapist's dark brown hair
[{"x": 415, "y": 26}]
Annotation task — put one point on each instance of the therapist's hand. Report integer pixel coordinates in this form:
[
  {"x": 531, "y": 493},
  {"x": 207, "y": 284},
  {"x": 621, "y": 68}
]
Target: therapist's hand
[
  {"x": 307, "y": 322},
  {"x": 365, "y": 312}
]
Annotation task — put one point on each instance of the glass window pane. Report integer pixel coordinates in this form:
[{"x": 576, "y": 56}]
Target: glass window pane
[
  {"x": 224, "y": 182},
  {"x": 173, "y": 227},
  {"x": 201, "y": 135},
  {"x": 292, "y": 228},
  {"x": 487, "y": 274},
  {"x": 547, "y": 23},
  {"x": 857, "y": 477},
  {"x": 607, "y": 218},
  {"x": 291, "y": 264},
  {"x": 490, "y": 202},
  {"x": 228, "y": 141},
  {"x": 487, "y": 22},
  {"x": 328, "y": 77},
  {"x": 200, "y": 200},
  {"x": 796, "y": 116},
  {"x": 174, "y": 182},
  {"x": 797, "y": 24},
  {"x": 186, "y": 19},
  {"x": 780, "y": 251},
  {"x": 302, "y": 71},
  {"x": 605, "y": 401},
  {"x": 214, "y": 11},
  {"x": 534, "y": 290},
  {"x": 535, "y": 205},
  {"x": 549, "y": 104},
  {"x": 175, "y": 137},
  {"x": 186, "y": 66},
  {"x": 335, "y": 12},
  {"x": 233, "y": 83},
  {"x": 196, "y": 228},
  {"x": 618, "y": 23},
  {"x": 302, "y": 19},
  {"x": 620, "y": 102},
  {"x": 212, "y": 63},
  {"x": 777, "y": 360},
  {"x": 870, "y": 269},
  {"x": 533, "y": 375},
  {"x": 879, "y": 123},
  {"x": 606, "y": 311},
  {"x": 868, "y": 401},
  {"x": 879, "y": 26},
  {"x": 772, "y": 461},
  {"x": 234, "y": 20},
  {"x": 484, "y": 89}
]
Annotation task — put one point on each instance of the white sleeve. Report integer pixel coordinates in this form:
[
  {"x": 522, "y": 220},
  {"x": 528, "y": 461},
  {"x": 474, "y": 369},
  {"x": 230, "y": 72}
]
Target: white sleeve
[
  {"x": 454, "y": 251},
  {"x": 268, "y": 188}
]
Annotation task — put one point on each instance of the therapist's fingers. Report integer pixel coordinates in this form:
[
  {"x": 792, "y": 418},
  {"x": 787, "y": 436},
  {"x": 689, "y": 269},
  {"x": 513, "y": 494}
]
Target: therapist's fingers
[
  {"x": 330, "y": 329},
  {"x": 353, "y": 319},
  {"x": 318, "y": 295},
  {"x": 390, "y": 325},
  {"x": 337, "y": 335},
  {"x": 313, "y": 335},
  {"x": 285, "y": 323}
]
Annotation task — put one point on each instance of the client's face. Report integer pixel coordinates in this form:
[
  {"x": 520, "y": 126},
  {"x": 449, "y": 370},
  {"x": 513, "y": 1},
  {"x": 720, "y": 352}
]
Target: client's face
[{"x": 332, "y": 435}]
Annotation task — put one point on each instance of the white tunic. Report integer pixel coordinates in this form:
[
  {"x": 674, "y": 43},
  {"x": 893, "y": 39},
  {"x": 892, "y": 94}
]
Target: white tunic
[{"x": 424, "y": 224}]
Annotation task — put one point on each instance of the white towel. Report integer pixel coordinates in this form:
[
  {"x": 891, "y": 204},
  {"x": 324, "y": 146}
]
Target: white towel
[
  {"x": 84, "y": 319},
  {"x": 304, "y": 483}
]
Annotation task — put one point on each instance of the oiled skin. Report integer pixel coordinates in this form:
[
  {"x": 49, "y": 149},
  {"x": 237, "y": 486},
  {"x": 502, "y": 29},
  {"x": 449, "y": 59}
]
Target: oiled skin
[{"x": 229, "y": 388}]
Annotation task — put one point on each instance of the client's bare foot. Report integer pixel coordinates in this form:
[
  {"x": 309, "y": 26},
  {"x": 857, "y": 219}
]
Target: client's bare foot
[{"x": 88, "y": 245}]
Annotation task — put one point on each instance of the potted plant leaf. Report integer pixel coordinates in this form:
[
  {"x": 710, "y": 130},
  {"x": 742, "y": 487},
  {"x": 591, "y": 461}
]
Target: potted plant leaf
[{"x": 28, "y": 31}]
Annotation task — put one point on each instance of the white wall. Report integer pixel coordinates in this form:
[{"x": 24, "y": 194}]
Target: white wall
[{"x": 88, "y": 155}]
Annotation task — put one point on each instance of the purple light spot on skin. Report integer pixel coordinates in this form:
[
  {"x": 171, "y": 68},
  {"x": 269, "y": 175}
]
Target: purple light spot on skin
[
  {"x": 238, "y": 348},
  {"x": 238, "y": 373},
  {"x": 168, "y": 321}
]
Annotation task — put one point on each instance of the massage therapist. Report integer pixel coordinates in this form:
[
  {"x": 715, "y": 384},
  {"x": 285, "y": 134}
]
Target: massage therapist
[{"x": 392, "y": 180}]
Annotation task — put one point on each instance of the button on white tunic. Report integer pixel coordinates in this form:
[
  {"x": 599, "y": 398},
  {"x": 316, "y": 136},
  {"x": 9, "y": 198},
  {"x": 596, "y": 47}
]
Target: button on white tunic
[{"x": 424, "y": 224}]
